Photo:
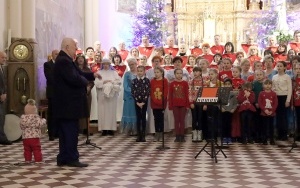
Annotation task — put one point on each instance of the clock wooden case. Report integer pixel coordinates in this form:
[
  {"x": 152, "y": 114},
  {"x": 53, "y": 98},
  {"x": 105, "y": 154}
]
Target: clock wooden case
[{"x": 21, "y": 75}]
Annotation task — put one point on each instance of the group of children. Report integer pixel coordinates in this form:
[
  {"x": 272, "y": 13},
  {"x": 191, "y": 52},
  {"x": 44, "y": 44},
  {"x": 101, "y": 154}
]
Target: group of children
[{"x": 257, "y": 102}]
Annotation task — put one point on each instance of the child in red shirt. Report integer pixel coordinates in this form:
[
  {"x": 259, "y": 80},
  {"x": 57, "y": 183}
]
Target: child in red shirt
[
  {"x": 267, "y": 101},
  {"x": 246, "y": 99},
  {"x": 158, "y": 97},
  {"x": 237, "y": 81},
  {"x": 179, "y": 102},
  {"x": 226, "y": 73}
]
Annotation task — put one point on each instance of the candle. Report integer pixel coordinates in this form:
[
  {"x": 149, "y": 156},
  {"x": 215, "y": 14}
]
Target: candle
[{"x": 9, "y": 37}]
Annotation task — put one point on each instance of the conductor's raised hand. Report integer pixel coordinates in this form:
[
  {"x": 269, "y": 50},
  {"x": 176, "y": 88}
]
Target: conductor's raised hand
[{"x": 97, "y": 75}]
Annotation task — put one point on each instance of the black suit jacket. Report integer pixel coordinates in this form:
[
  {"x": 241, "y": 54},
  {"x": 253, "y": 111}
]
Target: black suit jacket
[
  {"x": 3, "y": 86},
  {"x": 48, "y": 71},
  {"x": 69, "y": 89}
]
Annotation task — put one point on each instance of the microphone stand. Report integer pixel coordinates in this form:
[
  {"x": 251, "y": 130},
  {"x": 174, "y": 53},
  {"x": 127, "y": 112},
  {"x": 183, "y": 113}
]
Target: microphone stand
[
  {"x": 163, "y": 147},
  {"x": 88, "y": 141}
]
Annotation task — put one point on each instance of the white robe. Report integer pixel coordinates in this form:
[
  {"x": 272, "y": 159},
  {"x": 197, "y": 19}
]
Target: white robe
[
  {"x": 107, "y": 105},
  {"x": 120, "y": 100},
  {"x": 94, "y": 105}
]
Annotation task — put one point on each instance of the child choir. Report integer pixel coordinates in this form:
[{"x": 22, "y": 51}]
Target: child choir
[{"x": 263, "y": 89}]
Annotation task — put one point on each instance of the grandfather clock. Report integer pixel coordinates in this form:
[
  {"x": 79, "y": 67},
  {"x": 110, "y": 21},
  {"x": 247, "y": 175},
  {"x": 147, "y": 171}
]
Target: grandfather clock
[{"x": 21, "y": 75}]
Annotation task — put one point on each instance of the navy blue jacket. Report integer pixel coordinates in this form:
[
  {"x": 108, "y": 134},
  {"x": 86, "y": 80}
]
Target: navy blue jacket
[{"x": 69, "y": 89}]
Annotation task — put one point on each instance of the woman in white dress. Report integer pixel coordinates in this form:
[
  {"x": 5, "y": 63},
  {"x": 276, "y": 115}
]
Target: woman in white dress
[{"x": 108, "y": 88}]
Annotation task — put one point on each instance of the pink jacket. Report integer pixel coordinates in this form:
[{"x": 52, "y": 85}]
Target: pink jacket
[{"x": 31, "y": 125}]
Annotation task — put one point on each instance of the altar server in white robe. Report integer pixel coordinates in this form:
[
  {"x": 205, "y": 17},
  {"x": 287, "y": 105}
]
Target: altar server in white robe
[{"x": 108, "y": 88}]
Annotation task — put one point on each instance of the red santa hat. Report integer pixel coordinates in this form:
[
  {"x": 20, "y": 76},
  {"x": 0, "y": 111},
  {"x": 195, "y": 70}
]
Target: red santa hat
[{"x": 30, "y": 107}]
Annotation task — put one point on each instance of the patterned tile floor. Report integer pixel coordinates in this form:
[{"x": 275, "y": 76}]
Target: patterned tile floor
[{"x": 124, "y": 163}]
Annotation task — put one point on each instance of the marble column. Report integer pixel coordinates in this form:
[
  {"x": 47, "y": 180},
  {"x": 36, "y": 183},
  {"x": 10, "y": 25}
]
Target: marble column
[
  {"x": 96, "y": 20},
  {"x": 88, "y": 24},
  {"x": 28, "y": 19},
  {"x": 15, "y": 18}
]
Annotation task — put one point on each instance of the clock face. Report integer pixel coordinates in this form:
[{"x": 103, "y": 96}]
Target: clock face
[{"x": 21, "y": 51}]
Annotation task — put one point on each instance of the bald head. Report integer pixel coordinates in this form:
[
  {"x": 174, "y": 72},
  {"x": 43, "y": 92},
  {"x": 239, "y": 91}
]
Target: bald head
[
  {"x": 68, "y": 45},
  {"x": 97, "y": 46},
  {"x": 3, "y": 57},
  {"x": 54, "y": 54}
]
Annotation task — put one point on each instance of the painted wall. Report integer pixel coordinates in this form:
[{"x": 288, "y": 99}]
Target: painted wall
[
  {"x": 56, "y": 19},
  {"x": 3, "y": 24},
  {"x": 114, "y": 26}
]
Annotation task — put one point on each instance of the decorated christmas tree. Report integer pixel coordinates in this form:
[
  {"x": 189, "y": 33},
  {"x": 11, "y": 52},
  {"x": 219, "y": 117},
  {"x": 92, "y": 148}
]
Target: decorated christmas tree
[{"x": 150, "y": 20}]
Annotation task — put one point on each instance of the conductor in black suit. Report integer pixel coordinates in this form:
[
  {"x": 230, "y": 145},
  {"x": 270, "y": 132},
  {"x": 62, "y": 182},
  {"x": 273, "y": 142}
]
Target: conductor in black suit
[
  {"x": 69, "y": 102},
  {"x": 48, "y": 71},
  {"x": 3, "y": 88}
]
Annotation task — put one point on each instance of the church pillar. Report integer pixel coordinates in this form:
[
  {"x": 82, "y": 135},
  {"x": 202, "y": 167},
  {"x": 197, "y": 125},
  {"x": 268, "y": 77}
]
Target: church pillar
[
  {"x": 28, "y": 19},
  {"x": 15, "y": 18},
  {"x": 88, "y": 24},
  {"x": 96, "y": 23}
]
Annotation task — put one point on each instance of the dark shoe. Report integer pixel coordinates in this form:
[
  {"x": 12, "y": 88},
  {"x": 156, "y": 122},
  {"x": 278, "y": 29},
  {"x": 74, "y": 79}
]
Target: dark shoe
[
  {"x": 143, "y": 139},
  {"x": 51, "y": 138},
  {"x": 177, "y": 139},
  {"x": 77, "y": 164},
  {"x": 6, "y": 142},
  {"x": 111, "y": 133},
  {"x": 182, "y": 138},
  {"x": 104, "y": 133},
  {"x": 272, "y": 142},
  {"x": 59, "y": 163},
  {"x": 265, "y": 143},
  {"x": 250, "y": 141},
  {"x": 138, "y": 139}
]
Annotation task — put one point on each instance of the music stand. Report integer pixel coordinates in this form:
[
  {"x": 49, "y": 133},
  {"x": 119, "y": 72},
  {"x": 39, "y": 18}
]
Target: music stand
[{"x": 212, "y": 96}]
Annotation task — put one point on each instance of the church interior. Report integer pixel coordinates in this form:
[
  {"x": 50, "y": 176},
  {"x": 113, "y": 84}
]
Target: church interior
[{"x": 40, "y": 26}]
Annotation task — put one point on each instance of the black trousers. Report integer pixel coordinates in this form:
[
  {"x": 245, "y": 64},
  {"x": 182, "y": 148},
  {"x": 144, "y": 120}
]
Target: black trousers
[
  {"x": 197, "y": 116},
  {"x": 226, "y": 124},
  {"x": 281, "y": 118},
  {"x": 267, "y": 128},
  {"x": 158, "y": 119},
  {"x": 141, "y": 118},
  {"x": 51, "y": 124},
  {"x": 68, "y": 140},
  {"x": 258, "y": 132},
  {"x": 246, "y": 118}
]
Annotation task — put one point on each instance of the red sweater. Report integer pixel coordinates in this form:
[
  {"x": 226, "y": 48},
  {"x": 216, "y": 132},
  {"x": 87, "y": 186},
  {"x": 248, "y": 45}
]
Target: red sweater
[
  {"x": 179, "y": 94},
  {"x": 267, "y": 100},
  {"x": 296, "y": 92},
  {"x": 246, "y": 103},
  {"x": 156, "y": 94},
  {"x": 225, "y": 74},
  {"x": 194, "y": 86},
  {"x": 237, "y": 83},
  {"x": 231, "y": 56},
  {"x": 217, "y": 49}
]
